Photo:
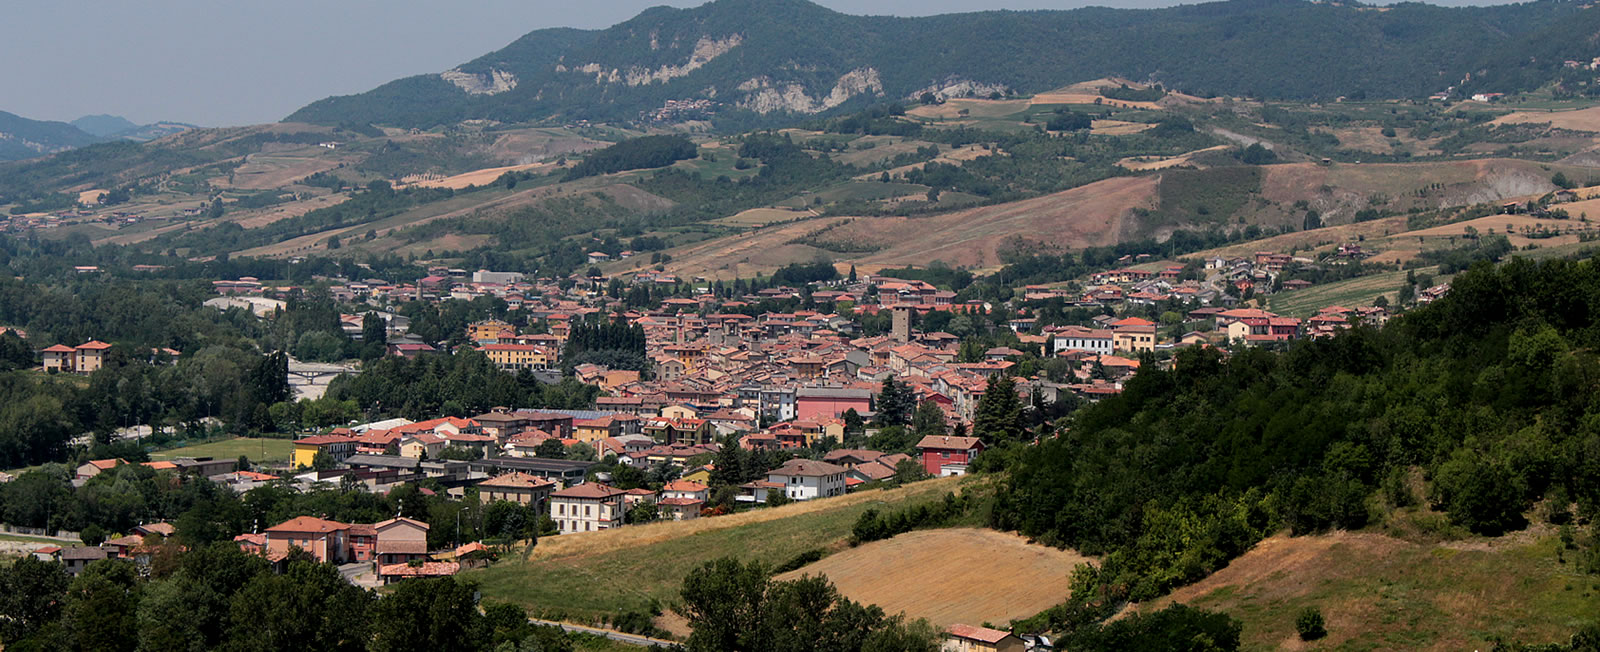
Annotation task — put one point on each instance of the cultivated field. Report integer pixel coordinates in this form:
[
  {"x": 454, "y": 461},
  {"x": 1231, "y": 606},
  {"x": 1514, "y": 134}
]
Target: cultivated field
[
  {"x": 1379, "y": 592},
  {"x": 1145, "y": 163},
  {"x": 595, "y": 573},
  {"x": 481, "y": 177},
  {"x": 1089, "y": 215},
  {"x": 258, "y": 450},
  {"x": 1510, "y": 225},
  {"x": 936, "y": 574},
  {"x": 764, "y": 216},
  {"x": 1361, "y": 291},
  {"x": 745, "y": 255},
  {"x": 1579, "y": 120}
]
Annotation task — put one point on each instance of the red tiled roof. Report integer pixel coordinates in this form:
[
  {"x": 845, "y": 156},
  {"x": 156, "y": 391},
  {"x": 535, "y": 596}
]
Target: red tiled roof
[
  {"x": 425, "y": 569},
  {"x": 308, "y": 524},
  {"x": 943, "y": 442},
  {"x": 589, "y": 490},
  {"x": 983, "y": 634}
]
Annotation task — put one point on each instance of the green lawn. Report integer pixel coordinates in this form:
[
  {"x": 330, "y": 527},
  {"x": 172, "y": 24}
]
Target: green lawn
[
  {"x": 582, "y": 576},
  {"x": 258, "y": 450},
  {"x": 1349, "y": 293}
]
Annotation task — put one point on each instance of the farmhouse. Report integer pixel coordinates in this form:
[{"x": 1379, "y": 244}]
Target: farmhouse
[{"x": 967, "y": 638}]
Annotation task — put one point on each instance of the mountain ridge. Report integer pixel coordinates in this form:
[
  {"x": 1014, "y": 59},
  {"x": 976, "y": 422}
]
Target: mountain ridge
[
  {"x": 748, "y": 62},
  {"x": 24, "y": 138}
]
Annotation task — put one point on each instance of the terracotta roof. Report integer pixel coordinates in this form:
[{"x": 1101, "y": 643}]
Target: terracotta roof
[
  {"x": 384, "y": 524},
  {"x": 59, "y": 348},
  {"x": 951, "y": 443},
  {"x": 593, "y": 490},
  {"x": 971, "y": 632},
  {"x": 807, "y": 468},
  {"x": 403, "y": 547},
  {"x": 425, "y": 569},
  {"x": 94, "y": 345},
  {"x": 324, "y": 440},
  {"x": 516, "y": 480},
  {"x": 681, "y": 502},
  {"x": 687, "y": 486},
  {"x": 308, "y": 524}
]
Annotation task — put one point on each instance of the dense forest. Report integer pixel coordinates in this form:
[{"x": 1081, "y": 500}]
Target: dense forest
[
  {"x": 1481, "y": 405},
  {"x": 1256, "y": 48}
]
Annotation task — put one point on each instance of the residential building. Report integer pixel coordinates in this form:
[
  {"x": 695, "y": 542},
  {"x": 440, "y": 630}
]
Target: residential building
[
  {"x": 587, "y": 507},
  {"x": 803, "y": 479},
  {"x": 338, "y": 448},
  {"x": 945, "y": 455},
  {"x": 327, "y": 541},
  {"x": 517, "y": 487},
  {"x": 819, "y": 403},
  {"x": 968, "y": 638},
  {"x": 1078, "y": 338},
  {"x": 400, "y": 540},
  {"x": 515, "y": 357}
]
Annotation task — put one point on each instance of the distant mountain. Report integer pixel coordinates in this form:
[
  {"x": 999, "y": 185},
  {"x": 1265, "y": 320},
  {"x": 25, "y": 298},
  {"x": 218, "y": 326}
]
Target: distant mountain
[
  {"x": 104, "y": 125},
  {"x": 21, "y": 138},
  {"x": 116, "y": 126},
  {"x": 757, "y": 60}
]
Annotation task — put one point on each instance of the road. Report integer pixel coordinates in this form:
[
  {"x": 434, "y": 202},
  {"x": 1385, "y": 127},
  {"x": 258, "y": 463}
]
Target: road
[{"x": 620, "y": 637}]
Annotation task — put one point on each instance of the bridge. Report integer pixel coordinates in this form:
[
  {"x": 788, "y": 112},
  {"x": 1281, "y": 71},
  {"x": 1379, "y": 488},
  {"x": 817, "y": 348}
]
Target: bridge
[{"x": 310, "y": 379}]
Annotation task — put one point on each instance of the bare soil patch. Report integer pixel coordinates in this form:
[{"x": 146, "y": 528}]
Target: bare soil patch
[{"x": 951, "y": 575}]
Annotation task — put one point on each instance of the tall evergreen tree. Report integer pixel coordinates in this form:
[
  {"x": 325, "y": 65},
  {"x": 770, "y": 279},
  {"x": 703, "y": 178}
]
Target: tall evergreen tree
[
  {"x": 895, "y": 403},
  {"x": 998, "y": 416}
]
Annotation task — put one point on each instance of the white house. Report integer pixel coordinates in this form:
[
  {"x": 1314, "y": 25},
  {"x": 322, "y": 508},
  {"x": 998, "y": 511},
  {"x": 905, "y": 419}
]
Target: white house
[
  {"x": 807, "y": 479},
  {"x": 1078, "y": 338},
  {"x": 587, "y": 507}
]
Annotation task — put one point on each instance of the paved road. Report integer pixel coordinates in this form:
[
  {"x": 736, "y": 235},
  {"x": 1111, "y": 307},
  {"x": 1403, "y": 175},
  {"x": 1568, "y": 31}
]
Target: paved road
[{"x": 621, "y": 637}]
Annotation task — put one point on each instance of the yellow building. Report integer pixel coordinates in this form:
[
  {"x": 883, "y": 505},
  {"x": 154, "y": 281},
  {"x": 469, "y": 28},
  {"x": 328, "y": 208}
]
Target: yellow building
[
  {"x": 592, "y": 429},
  {"x": 490, "y": 330},
  {"x": 338, "y": 448},
  {"x": 513, "y": 357}
]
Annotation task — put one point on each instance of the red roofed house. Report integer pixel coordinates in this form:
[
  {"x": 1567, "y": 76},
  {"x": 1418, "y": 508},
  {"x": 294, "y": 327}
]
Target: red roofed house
[
  {"x": 944, "y": 455},
  {"x": 517, "y": 487},
  {"x": 400, "y": 540},
  {"x": 93, "y": 468},
  {"x": 396, "y": 572},
  {"x": 587, "y": 507},
  {"x": 59, "y": 358},
  {"x": 91, "y": 356},
  {"x": 967, "y": 638},
  {"x": 327, "y": 541}
]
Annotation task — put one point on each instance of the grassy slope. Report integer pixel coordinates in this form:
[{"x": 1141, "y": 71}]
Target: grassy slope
[
  {"x": 1360, "y": 291},
  {"x": 586, "y": 575},
  {"x": 1379, "y": 592}
]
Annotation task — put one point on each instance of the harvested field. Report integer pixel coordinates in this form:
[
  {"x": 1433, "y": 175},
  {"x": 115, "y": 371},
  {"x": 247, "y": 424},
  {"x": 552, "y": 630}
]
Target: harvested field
[
  {"x": 1360, "y": 291},
  {"x": 292, "y": 209},
  {"x": 267, "y": 171},
  {"x": 1117, "y": 127},
  {"x": 1510, "y": 225},
  {"x": 1329, "y": 236},
  {"x": 1579, "y": 120},
  {"x": 1380, "y": 592},
  {"x": 481, "y": 177},
  {"x": 952, "y": 109},
  {"x": 1145, "y": 163},
  {"x": 932, "y": 574},
  {"x": 1089, "y": 215},
  {"x": 953, "y": 157},
  {"x": 91, "y": 197},
  {"x": 747, "y": 254},
  {"x": 764, "y": 216},
  {"x": 593, "y": 573}
]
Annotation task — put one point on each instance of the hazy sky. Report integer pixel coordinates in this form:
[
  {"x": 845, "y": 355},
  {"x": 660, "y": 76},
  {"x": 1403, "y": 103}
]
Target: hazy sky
[{"x": 227, "y": 62}]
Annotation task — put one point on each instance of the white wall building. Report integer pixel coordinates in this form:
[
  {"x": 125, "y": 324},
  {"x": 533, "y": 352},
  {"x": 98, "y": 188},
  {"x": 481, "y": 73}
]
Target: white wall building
[
  {"x": 1078, "y": 338},
  {"x": 807, "y": 479},
  {"x": 587, "y": 507}
]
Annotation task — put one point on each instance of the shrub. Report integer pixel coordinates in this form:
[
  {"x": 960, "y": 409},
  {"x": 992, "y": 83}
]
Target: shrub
[{"x": 1309, "y": 624}]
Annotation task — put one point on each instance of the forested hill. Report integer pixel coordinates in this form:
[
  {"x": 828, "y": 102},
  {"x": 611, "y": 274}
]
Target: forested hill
[
  {"x": 781, "y": 57},
  {"x": 22, "y": 138}
]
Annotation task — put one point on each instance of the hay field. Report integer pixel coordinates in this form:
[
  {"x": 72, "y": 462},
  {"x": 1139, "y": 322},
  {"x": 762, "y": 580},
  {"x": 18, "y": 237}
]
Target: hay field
[
  {"x": 593, "y": 573},
  {"x": 1360, "y": 291},
  {"x": 1117, "y": 127},
  {"x": 1509, "y": 225},
  {"x": 975, "y": 108},
  {"x": 1380, "y": 592},
  {"x": 948, "y": 576},
  {"x": 481, "y": 177},
  {"x": 1579, "y": 120},
  {"x": 1146, "y": 163},
  {"x": 267, "y": 171},
  {"x": 764, "y": 216},
  {"x": 1089, "y": 215}
]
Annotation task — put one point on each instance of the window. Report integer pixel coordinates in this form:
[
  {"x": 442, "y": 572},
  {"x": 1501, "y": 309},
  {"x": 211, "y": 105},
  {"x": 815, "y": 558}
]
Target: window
[{"x": 585, "y": 510}]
